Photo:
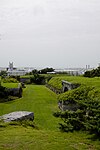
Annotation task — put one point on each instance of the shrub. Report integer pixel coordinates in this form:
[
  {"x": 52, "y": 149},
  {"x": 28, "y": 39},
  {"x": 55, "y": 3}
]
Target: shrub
[
  {"x": 87, "y": 114},
  {"x": 93, "y": 73},
  {"x": 37, "y": 79},
  {"x": 3, "y": 93},
  {"x": 79, "y": 93},
  {"x": 3, "y": 74}
]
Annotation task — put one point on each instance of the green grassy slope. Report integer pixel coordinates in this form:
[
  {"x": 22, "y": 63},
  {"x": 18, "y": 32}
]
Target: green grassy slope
[
  {"x": 57, "y": 81},
  {"x": 43, "y": 103},
  {"x": 10, "y": 85}
]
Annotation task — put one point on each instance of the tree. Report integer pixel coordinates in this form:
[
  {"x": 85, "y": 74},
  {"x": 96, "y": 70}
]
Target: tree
[
  {"x": 37, "y": 79},
  {"x": 45, "y": 70},
  {"x": 3, "y": 73},
  {"x": 35, "y": 71},
  {"x": 93, "y": 73}
]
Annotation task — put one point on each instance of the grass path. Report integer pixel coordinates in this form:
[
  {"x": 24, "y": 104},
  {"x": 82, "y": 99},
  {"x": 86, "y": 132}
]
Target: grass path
[
  {"x": 43, "y": 103},
  {"x": 37, "y": 99}
]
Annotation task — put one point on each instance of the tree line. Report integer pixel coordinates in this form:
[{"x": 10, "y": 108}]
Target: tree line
[{"x": 93, "y": 73}]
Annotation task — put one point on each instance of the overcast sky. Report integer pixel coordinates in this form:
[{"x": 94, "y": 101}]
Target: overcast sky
[{"x": 50, "y": 33}]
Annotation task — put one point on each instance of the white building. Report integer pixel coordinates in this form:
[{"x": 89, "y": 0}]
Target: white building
[{"x": 15, "y": 72}]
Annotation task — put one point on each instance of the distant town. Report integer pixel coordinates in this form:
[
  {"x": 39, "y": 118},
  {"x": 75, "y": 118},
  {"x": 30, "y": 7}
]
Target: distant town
[{"x": 14, "y": 71}]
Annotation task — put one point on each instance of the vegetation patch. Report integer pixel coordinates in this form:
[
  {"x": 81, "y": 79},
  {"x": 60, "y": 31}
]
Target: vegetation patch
[
  {"x": 37, "y": 79},
  {"x": 56, "y": 82},
  {"x": 9, "y": 80},
  {"x": 43, "y": 102},
  {"x": 92, "y": 73},
  {"x": 10, "y": 85},
  {"x": 24, "y": 123},
  {"x": 86, "y": 111},
  {"x": 3, "y": 93},
  {"x": 10, "y": 91}
]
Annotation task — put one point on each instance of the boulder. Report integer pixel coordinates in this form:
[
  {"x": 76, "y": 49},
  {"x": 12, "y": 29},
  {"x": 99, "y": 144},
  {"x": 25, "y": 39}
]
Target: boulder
[{"x": 18, "y": 115}]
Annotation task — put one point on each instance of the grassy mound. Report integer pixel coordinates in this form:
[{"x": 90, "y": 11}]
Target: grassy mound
[{"x": 57, "y": 81}]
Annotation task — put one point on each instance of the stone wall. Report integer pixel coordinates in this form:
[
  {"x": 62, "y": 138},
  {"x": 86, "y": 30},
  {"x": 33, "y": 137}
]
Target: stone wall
[
  {"x": 55, "y": 90},
  {"x": 25, "y": 80},
  {"x": 15, "y": 91},
  {"x": 66, "y": 86},
  {"x": 65, "y": 105}
]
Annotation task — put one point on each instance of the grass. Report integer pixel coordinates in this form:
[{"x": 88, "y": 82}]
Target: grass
[
  {"x": 10, "y": 85},
  {"x": 20, "y": 138},
  {"x": 37, "y": 99},
  {"x": 43, "y": 103}
]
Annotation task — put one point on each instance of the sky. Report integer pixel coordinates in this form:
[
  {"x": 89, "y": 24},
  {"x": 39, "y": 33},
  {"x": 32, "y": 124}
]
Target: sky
[{"x": 50, "y": 33}]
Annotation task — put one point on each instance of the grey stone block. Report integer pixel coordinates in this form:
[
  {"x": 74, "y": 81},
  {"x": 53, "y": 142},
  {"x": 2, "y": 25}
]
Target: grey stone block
[{"x": 18, "y": 115}]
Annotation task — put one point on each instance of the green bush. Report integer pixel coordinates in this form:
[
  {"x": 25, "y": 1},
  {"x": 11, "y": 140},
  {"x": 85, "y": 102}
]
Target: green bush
[
  {"x": 37, "y": 79},
  {"x": 93, "y": 73},
  {"x": 86, "y": 116},
  {"x": 56, "y": 82},
  {"x": 3, "y": 74},
  {"x": 79, "y": 93},
  {"x": 94, "y": 94},
  {"x": 2, "y": 92}
]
